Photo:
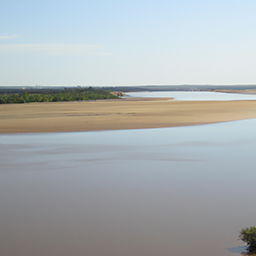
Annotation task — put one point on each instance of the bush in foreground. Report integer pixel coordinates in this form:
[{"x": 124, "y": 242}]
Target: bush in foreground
[{"x": 248, "y": 235}]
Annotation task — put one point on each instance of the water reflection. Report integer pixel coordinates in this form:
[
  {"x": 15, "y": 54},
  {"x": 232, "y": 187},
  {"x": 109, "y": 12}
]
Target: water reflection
[
  {"x": 173, "y": 191},
  {"x": 241, "y": 249}
]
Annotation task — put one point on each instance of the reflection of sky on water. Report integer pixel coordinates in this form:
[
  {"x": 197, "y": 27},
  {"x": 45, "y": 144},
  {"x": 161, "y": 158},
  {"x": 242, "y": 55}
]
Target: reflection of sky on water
[
  {"x": 241, "y": 249},
  {"x": 201, "y": 96},
  {"x": 171, "y": 191}
]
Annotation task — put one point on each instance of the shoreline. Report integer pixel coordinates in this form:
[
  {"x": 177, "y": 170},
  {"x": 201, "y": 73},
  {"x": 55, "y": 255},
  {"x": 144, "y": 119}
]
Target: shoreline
[
  {"x": 119, "y": 114},
  {"x": 247, "y": 91}
]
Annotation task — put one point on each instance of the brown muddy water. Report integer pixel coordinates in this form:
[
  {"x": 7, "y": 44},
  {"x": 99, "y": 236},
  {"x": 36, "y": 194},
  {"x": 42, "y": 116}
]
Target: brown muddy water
[{"x": 156, "y": 192}]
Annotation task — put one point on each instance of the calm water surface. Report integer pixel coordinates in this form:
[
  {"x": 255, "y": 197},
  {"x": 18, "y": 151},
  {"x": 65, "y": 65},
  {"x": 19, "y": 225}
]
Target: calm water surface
[
  {"x": 201, "y": 96},
  {"x": 157, "y": 192}
]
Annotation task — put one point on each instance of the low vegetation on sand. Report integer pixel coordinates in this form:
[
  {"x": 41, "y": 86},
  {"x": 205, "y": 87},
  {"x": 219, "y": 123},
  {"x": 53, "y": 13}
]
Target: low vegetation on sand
[
  {"x": 65, "y": 95},
  {"x": 248, "y": 235}
]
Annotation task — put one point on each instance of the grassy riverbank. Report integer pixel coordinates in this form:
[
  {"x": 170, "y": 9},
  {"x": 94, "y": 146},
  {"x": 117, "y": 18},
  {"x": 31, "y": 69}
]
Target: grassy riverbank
[{"x": 56, "y": 95}]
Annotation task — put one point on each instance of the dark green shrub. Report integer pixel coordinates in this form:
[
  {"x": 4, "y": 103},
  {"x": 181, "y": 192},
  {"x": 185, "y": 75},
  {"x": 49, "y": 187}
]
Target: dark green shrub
[{"x": 248, "y": 235}]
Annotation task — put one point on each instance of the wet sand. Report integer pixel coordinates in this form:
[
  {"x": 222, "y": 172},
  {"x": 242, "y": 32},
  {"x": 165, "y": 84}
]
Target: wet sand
[{"x": 119, "y": 114}]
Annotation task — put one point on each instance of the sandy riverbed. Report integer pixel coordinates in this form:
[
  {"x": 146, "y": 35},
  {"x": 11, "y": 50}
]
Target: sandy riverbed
[{"x": 119, "y": 114}]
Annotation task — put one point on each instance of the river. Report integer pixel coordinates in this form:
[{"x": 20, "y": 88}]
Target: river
[
  {"x": 194, "y": 95},
  {"x": 169, "y": 191}
]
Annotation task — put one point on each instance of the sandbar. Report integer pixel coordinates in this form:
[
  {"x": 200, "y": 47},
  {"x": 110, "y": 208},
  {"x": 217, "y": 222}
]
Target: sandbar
[{"x": 119, "y": 114}]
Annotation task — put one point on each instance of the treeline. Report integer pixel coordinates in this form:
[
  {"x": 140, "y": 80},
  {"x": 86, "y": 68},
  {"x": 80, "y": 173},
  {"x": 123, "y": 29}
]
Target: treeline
[{"x": 66, "y": 95}]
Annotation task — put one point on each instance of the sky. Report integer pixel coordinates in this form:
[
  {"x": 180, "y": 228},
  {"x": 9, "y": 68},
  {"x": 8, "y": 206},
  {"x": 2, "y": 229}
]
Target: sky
[{"x": 121, "y": 42}]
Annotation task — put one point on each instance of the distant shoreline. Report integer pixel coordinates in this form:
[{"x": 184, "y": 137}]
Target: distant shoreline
[
  {"x": 249, "y": 91},
  {"x": 119, "y": 114}
]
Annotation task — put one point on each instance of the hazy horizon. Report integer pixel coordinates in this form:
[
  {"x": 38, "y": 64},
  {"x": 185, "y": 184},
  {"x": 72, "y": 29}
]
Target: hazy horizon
[{"x": 132, "y": 85}]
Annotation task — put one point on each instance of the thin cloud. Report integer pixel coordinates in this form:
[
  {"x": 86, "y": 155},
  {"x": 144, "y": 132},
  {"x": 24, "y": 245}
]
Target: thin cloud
[
  {"x": 53, "y": 49},
  {"x": 8, "y": 37}
]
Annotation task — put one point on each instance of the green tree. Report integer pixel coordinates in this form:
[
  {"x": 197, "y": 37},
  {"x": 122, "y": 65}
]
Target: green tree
[{"x": 248, "y": 235}]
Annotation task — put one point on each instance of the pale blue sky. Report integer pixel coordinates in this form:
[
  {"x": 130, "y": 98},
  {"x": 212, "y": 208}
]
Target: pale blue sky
[{"x": 131, "y": 42}]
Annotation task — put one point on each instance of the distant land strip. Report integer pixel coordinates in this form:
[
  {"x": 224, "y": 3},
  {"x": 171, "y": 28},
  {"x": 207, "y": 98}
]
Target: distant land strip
[
  {"x": 115, "y": 114},
  {"x": 136, "y": 88}
]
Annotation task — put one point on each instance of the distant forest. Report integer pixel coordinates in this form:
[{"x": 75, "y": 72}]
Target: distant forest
[{"x": 56, "y": 95}]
